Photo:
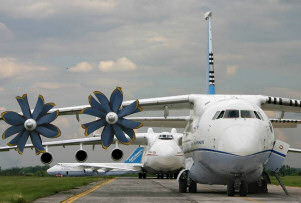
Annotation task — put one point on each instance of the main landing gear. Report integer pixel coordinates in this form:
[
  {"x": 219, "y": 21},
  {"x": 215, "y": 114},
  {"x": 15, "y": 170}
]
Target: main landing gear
[
  {"x": 237, "y": 185},
  {"x": 142, "y": 175},
  {"x": 185, "y": 182}
]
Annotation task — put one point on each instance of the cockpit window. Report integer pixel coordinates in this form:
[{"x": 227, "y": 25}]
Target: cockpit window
[
  {"x": 165, "y": 137},
  {"x": 247, "y": 114},
  {"x": 231, "y": 114},
  {"x": 221, "y": 114},
  {"x": 257, "y": 116},
  {"x": 215, "y": 115}
]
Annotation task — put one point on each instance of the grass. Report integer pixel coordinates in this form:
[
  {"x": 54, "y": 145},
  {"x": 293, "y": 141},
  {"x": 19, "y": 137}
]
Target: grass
[
  {"x": 288, "y": 180},
  {"x": 22, "y": 189}
]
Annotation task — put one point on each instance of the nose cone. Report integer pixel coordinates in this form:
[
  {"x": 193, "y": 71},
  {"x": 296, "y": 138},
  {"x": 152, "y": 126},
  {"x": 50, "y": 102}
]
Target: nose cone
[
  {"x": 241, "y": 140},
  {"x": 52, "y": 170}
]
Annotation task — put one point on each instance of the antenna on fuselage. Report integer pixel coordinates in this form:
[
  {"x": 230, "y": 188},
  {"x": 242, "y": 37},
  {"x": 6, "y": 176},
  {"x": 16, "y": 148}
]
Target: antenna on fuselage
[{"x": 210, "y": 85}]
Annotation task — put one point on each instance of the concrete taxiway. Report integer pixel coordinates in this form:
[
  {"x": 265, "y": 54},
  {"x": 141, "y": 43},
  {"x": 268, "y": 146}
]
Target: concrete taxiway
[{"x": 165, "y": 190}]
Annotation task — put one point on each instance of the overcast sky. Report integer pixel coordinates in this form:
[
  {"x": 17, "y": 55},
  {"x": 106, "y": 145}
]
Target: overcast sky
[{"x": 66, "y": 49}]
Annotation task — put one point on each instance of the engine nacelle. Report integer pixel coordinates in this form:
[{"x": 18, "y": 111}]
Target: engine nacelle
[
  {"x": 88, "y": 171},
  {"x": 116, "y": 154},
  {"x": 81, "y": 155},
  {"x": 46, "y": 158}
]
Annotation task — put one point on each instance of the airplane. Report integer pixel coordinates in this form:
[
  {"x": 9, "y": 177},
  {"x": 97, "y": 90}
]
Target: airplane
[
  {"x": 227, "y": 139},
  {"x": 162, "y": 157}
]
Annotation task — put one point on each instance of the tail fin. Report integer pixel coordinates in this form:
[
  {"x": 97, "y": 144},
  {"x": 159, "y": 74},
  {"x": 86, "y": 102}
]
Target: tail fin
[
  {"x": 136, "y": 156},
  {"x": 210, "y": 85}
]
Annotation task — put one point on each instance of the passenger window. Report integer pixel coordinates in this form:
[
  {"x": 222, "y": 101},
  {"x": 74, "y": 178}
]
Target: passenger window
[
  {"x": 232, "y": 114},
  {"x": 247, "y": 114},
  {"x": 215, "y": 115},
  {"x": 221, "y": 115}
]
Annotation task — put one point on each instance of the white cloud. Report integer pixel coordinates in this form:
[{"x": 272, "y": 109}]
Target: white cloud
[
  {"x": 81, "y": 67},
  {"x": 122, "y": 64},
  {"x": 11, "y": 67},
  {"x": 54, "y": 85},
  {"x": 231, "y": 70}
]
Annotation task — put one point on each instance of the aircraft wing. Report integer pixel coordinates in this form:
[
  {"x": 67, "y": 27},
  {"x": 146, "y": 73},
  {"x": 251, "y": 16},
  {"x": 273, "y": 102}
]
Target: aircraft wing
[
  {"x": 169, "y": 122},
  {"x": 140, "y": 140},
  {"x": 285, "y": 123},
  {"x": 269, "y": 103}
]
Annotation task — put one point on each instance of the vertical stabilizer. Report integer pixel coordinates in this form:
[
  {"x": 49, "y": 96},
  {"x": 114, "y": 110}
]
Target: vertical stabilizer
[
  {"x": 210, "y": 83},
  {"x": 136, "y": 157}
]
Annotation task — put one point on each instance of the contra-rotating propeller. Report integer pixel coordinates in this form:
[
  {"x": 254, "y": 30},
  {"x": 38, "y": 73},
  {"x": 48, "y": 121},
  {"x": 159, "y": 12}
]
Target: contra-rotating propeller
[
  {"x": 111, "y": 117},
  {"x": 31, "y": 124}
]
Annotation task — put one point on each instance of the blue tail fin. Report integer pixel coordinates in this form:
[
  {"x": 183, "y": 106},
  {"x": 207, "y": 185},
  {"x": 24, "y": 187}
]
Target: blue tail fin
[
  {"x": 136, "y": 157},
  {"x": 210, "y": 83}
]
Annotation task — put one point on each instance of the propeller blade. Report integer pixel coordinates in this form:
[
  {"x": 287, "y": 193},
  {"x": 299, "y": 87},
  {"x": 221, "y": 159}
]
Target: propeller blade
[
  {"x": 46, "y": 108},
  {"x": 49, "y": 131},
  {"x": 22, "y": 141},
  {"x": 93, "y": 112},
  {"x": 103, "y": 100},
  {"x": 107, "y": 136},
  {"x": 120, "y": 135},
  {"x": 38, "y": 108},
  {"x": 37, "y": 142},
  {"x": 23, "y": 102},
  {"x": 129, "y": 124},
  {"x": 129, "y": 132},
  {"x": 116, "y": 99},
  {"x": 95, "y": 104},
  {"x": 12, "y": 130},
  {"x": 48, "y": 118},
  {"x": 129, "y": 109},
  {"x": 92, "y": 126},
  {"x": 12, "y": 118},
  {"x": 14, "y": 141}
]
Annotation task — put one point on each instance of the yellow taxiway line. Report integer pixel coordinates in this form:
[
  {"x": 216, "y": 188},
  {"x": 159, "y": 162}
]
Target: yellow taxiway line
[{"x": 75, "y": 197}]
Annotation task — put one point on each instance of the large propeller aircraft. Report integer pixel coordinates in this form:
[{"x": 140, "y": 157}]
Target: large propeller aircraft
[{"x": 227, "y": 139}]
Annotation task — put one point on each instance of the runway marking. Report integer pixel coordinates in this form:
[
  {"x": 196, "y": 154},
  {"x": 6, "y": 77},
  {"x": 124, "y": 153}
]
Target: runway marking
[{"x": 75, "y": 197}]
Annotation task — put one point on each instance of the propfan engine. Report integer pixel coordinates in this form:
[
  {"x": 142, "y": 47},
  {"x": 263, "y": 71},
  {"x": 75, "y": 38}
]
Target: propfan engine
[
  {"x": 111, "y": 117},
  {"x": 31, "y": 124},
  {"x": 81, "y": 155},
  {"x": 46, "y": 158},
  {"x": 116, "y": 154}
]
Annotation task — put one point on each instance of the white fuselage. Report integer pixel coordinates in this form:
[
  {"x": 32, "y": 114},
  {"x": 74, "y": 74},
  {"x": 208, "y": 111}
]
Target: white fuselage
[
  {"x": 217, "y": 150},
  {"x": 162, "y": 155}
]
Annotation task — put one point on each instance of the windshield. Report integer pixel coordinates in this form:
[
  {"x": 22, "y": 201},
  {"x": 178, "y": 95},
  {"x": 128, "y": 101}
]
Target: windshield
[
  {"x": 165, "y": 137},
  {"x": 231, "y": 114}
]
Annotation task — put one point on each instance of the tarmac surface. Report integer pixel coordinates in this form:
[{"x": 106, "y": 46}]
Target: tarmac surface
[{"x": 122, "y": 190}]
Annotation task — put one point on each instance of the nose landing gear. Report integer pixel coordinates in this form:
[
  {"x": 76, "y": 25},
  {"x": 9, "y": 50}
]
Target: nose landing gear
[{"x": 238, "y": 185}]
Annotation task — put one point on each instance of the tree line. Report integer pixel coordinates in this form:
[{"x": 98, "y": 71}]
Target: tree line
[{"x": 25, "y": 171}]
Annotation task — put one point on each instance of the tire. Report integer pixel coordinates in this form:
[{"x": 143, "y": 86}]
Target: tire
[
  {"x": 193, "y": 187},
  {"x": 243, "y": 190},
  {"x": 230, "y": 189},
  {"x": 182, "y": 186},
  {"x": 140, "y": 175},
  {"x": 144, "y": 175}
]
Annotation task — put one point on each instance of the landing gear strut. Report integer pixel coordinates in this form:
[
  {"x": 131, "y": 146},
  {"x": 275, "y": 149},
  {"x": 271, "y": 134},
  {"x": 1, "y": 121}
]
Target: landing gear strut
[{"x": 185, "y": 181}]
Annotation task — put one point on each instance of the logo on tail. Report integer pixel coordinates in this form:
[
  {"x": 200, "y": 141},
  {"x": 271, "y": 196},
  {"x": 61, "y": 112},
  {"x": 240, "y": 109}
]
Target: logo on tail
[{"x": 136, "y": 157}]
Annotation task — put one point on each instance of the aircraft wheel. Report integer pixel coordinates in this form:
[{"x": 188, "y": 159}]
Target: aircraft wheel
[
  {"x": 175, "y": 176},
  {"x": 158, "y": 176},
  {"x": 183, "y": 183},
  {"x": 140, "y": 175},
  {"x": 230, "y": 189},
  {"x": 193, "y": 187},
  {"x": 243, "y": 190},
  {"x": 144, "y": 175}
]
